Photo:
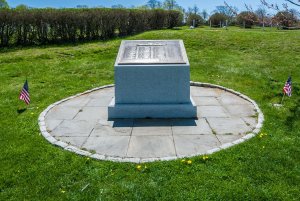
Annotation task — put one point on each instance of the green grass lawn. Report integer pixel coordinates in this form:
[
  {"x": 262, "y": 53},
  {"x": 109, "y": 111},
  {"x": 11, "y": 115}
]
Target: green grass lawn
[{"x": 254, "y": 62}]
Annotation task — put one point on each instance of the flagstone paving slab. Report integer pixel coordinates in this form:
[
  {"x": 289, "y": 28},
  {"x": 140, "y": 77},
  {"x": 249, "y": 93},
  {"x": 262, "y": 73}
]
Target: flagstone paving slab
[
  {"x": 102, "y": 131},
  {"x": 103, "y": 101},
  {"x": 232, "y": 125},
  {"x": 62, "y": 113},
  {"x": 52, "y": 124},
  {"x": 92, "y": 113},
  {"x": 228, "y": 138},
  {"x": 226, "y": 99},
  {"x": 202, "y": 100},
  {"x": 151, "y": 146},
  {"x": 75, "y": 141},
  {"x": 185, "y": 127},
  {"x": 74, "y": 128},
  {"x": 241, "y": 110},
  {"x": 81, "y": 121},
  {"x": 203, "y": 91},
  {"x": 250, "y": 121},
  {"x": 212, "y": 111},
  {"x": 187, "y": 145},
  {"x": 78, "y": 102},
  {"x": 108, "y": 145}
]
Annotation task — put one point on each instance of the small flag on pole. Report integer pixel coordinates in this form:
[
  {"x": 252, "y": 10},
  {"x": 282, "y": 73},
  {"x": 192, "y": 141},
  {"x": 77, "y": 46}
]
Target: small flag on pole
[
  {"x": 24, "y": 95},
  {"x": 287, "y": 89}
]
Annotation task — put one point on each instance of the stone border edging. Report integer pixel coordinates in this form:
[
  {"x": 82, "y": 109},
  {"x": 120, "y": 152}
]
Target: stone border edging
[{"x": 68, "y": 147}]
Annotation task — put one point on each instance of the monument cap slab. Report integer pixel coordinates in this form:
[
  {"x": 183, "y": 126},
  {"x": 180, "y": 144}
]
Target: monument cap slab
[{"x": 149, "y": 52}]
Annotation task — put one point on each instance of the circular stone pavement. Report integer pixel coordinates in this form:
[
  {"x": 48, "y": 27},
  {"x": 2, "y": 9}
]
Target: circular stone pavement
[{"x": 79, "y": 124}]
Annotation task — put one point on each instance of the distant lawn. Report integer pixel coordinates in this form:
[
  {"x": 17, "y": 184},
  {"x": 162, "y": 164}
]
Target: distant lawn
[{"x": 254, "y": 62}]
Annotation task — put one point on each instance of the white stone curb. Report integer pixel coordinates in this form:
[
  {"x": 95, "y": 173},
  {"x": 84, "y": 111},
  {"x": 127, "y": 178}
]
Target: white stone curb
[{"x": 52, "y": 140}]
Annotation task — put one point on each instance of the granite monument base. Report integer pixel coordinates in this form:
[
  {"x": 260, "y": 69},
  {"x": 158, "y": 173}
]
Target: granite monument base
[{"x": 130, "y": 111}]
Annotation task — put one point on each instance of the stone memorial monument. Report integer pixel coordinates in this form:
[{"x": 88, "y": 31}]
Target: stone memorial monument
[{"x": 152, "y": 80}]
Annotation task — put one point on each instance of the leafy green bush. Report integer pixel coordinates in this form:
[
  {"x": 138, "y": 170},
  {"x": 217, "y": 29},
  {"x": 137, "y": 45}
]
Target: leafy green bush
[{"x": 43, "y": 26}]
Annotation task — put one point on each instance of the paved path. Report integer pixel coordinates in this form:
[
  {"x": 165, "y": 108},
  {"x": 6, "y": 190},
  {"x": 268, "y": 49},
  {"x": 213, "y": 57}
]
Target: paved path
[{"x": 223, "y": 117}]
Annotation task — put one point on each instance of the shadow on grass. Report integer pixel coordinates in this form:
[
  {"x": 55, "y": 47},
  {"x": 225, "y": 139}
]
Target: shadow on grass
[{"x": 20, "y": 111}]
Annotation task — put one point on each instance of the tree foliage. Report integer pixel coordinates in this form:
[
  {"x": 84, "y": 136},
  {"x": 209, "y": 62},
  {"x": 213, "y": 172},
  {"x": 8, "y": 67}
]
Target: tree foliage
[
  {"x": 153, "y": 4},
  {"x": 170, "y": 4},
  {"x": 43, "y": 26},
  {"x": 195, "y": 20},
  {"x": 247, "y": 19},
  {"x": 3, "y": 4},
  {"x": 204, "y": 14},
  {"x": 285, "y": 19},
  {"x": 218, "y": 19}
]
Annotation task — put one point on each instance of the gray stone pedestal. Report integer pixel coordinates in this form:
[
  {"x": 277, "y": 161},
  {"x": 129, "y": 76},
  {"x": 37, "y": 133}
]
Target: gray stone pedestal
[{"x": 152, "y": 80}]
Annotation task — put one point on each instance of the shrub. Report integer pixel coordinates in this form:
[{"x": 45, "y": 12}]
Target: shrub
[{"x": 42, "y": 26}]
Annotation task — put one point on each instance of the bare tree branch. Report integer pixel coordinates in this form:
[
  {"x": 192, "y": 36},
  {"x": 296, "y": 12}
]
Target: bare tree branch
[
  {"x": 230, "y": 8},
  {"x": 292, "y": 2}
]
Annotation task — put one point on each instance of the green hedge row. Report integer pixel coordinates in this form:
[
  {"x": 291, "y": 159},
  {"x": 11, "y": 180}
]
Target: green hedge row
[{"x": 43, "y": 26}]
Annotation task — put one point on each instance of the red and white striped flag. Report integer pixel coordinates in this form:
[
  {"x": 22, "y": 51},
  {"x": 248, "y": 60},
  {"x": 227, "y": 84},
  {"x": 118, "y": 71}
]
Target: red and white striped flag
[
  {"x": 24, "y": 95},
  {"x": 287, "y": 89}
]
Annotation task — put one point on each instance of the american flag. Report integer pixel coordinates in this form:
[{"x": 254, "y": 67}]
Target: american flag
[
  {"x": 287, "y": 89},
  {"x": 24, "y": 95}
]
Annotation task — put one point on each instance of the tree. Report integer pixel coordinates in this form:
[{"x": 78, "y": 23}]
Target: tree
[
  {"x": 261, "y": 13},
  {"x": 194, "y": 20},
  {"x": 170, "y": 4},
  {"x": 295, "y": 13},
  {"x": 195, "y": 9},
  {"x": 118, "y": 6},
  {"x": 285, "y": 19},
  {"x": 81, "y": 6},
  {"x": 294, "y": 2},
  {"x": 22, "y": 7},
  {"x": 226, "y": 11},
  {"x": 287, "y": 15},
  {"x": 276, "y": 7},
  {"x": 218, "y": 19},
  {"x": 229, "y": 11},
  {"x": 247, "y": 19},
  {"x": 154, "y": 4},
  {"x": 204, "y": 14},
  {"x": 159, "y": 4},
  {"x": 3, "y": 4}
]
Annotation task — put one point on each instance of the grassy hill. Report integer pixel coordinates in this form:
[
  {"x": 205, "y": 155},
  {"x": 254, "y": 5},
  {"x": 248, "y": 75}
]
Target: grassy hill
[{"x": 254, "y": 62}]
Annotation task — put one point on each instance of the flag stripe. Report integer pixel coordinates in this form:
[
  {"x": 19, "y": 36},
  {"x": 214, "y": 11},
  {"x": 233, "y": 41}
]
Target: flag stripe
[
  {"x": 24, "y": 95},
  {"x": 287, "y": 89}
]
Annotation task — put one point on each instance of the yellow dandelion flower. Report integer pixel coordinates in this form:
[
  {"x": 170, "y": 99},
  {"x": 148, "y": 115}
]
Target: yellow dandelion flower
[
  {"x": 139, "y": 167},
  {"x": 189, "y": 162},
  {"x": 205, "y": 157},
  {"x": 262, "y": 135}
]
